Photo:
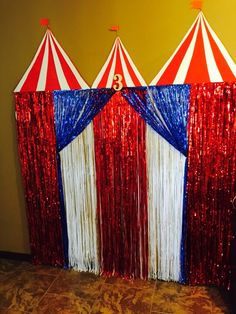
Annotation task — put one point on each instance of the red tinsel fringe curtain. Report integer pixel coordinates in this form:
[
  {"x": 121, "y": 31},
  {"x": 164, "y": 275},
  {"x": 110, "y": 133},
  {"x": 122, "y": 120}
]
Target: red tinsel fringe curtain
[
  {"x": 211, "y": 183},
  {"x": 37, "y": 152},
  {"x": 120, "y": 153}
]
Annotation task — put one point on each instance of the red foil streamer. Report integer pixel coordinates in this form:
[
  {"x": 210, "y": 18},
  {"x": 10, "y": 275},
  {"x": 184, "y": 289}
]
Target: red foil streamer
[
  {"x": 37, "y": 152},
  {"x": 120, "y": 153},
  {"x": 211, "y": 183}
]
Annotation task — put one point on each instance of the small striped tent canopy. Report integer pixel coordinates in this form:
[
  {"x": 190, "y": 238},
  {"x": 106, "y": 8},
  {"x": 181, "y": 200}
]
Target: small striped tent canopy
[
  {"x": 200, "y": 57},
  {"x": 50, "y": 69},
  {"x": 118, "y": 68}
]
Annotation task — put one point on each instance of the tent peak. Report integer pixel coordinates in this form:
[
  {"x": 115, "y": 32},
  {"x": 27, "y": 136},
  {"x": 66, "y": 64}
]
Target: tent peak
[
  {"x": 118, "y": 69},
  {"x": 50, "y": 69},
  {"x": 200, "y": 57}
]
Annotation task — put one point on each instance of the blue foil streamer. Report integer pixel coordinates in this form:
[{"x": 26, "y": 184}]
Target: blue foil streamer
[
  {"x": 165, "y": 109},
  {"x": 74, "y": 110}
]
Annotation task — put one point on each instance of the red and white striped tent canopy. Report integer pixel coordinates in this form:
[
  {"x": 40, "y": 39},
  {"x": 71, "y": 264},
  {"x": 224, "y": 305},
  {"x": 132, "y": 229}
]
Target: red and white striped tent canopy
[
  {"x": 200, "y": 57},
  {"x": 50, "y": 69},
  {"x": 118, "y": 63}
]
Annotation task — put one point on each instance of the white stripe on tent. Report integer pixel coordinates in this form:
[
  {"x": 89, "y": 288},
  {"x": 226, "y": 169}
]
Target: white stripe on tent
[
  {"x": 220, "y": 45},
  {"x": 213, "y": 70},
  {"x": 71, "y": 65},
  {"x": 184, "y": 66},
  {"x": 112, "y": 70},
  {"x": 60, "y": 74},
  {"x": 22, "y": 81},
  {"x": 127, "y": 77},
  {"x": 160, "y": 73},
  {"x": 44, "y": 67}
]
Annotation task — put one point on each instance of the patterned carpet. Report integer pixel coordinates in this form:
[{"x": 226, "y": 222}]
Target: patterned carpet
[{"x": 25, "y": 288}]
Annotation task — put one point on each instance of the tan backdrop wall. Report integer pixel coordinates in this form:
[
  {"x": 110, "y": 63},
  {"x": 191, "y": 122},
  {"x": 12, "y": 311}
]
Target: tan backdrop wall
[{"x": 150, "y": 30}]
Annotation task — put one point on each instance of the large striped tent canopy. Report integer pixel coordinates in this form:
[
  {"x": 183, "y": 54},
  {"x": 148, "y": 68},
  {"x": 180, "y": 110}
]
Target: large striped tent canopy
[
  {"x": 50, "y": 69},
  {"x": 200, "y": 57},
  {"x": 118, "y": 63}
]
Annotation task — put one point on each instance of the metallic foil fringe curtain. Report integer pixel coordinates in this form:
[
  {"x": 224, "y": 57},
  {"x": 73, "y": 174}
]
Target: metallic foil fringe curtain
[
  {"x": 211, "y": 183},
  {"x": 79, "y": 185},
  {"x": 165, "y": 167},
  {"x": 118, "y": 212},
  {"x": 165, "y": 109},
  {"x": 120, "y": 150},
  {"x": 37, "y": 152},
  {"x": 74, "y": 111}
]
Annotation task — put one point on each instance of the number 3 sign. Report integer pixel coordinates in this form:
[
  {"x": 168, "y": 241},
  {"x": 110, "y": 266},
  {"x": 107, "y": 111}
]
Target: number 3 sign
[{"x": 118, "y": 82}]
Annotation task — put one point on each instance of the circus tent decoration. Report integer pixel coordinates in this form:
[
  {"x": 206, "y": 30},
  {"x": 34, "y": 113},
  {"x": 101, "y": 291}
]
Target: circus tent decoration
[
  {"x": 114, "y": 183},
  {"x": 50, "y": 69},
  {"x": 118, "y": 63},
  {"x": 200, "y": 57},
  {"x": 164, "y": 250},
  {"x": 121, "y": 171}
]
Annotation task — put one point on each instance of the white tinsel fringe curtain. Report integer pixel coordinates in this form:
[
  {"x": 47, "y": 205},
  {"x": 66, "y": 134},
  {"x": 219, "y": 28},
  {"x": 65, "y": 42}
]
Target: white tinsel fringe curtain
[
  {"x": 165, "y": 207},
  {"x": 79, "y": 187}
]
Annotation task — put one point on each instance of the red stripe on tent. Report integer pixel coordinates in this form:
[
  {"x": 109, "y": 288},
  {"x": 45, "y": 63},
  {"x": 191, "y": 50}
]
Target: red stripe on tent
[
  {"x": 104, "y": 79},
  {"x": 130, "y": 69},
  {"x": 169, "y": 74},
  {"x": 121, "y": 178},
  {"x": 224, "y": 69},
  {"x": 69, "y": 75},
  {"x": 52, "y": 82},
  {"x": 198, "y": 70},
  {"x": 32, "y": 78},
  {"x": 119, "y": 69}
]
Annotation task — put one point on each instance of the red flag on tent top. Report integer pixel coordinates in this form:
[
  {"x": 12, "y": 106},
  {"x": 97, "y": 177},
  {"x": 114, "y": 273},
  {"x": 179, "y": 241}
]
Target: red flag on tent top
[
  {"x": 44, "y": 22},
  {"x": 200, "y": 57},
  {"x": 114, "y": 28},
  {"x": 119, "y": 70},
  {"x": 197, "y": 4},
  {"x": 50, "y": 69}
]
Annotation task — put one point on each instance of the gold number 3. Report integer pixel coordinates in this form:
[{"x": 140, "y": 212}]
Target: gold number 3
[{"x": 118, "y": 82}]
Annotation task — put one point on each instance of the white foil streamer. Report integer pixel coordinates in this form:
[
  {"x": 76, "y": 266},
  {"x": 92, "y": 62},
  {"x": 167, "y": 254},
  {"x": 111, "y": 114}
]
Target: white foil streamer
[
  {"x": 79, "y": 185},
  {"x": 165, "y": 207}
]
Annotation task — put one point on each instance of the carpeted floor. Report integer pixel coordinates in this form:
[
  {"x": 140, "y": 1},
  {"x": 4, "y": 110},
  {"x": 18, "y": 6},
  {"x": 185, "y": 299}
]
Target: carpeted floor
[{"x": 25, "y": 288}]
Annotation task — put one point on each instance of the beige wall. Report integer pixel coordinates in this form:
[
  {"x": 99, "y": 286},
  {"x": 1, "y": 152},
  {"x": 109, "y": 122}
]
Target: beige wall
[{"x": 149, "y": 29}]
